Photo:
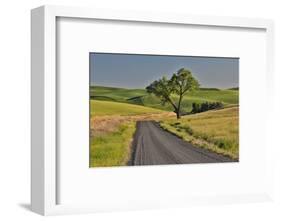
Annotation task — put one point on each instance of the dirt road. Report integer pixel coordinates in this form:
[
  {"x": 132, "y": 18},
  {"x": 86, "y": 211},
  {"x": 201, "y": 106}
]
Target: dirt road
[{"x": 155, "y": 146}]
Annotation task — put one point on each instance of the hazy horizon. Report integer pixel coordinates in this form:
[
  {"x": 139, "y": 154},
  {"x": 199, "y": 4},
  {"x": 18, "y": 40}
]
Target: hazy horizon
[{"x": 135, "y": 71}]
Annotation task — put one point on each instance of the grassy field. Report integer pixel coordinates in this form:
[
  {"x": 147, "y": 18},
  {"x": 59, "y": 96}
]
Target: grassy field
[
  {"x": 141, "y": 97},
  {"x": 112, "y": 149},
  {"x": 114, "y": 112},
  {"x": 216, "y": 130},
  {"x": 99, "y": 108},
  {"x": 112, "y": 128}
]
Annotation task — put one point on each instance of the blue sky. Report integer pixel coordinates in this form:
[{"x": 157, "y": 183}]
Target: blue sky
[{"x": 138, "y": 71}]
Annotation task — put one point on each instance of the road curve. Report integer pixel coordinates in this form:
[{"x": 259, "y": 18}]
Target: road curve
[{"x": 154, "y": 146}]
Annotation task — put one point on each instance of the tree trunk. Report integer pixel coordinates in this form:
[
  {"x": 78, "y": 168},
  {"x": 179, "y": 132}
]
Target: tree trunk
[
  {"x": 178, "y": 114},
  {"x": 179, "y": 108}
]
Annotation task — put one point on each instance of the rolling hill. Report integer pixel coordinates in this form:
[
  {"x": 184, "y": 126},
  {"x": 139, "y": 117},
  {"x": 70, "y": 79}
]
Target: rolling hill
[
  {"x": 99, "y": 108},
  {"x": 141, "y": 97}
]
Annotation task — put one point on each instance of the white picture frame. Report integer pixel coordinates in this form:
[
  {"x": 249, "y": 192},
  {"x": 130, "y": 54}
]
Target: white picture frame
[{"x": 44, "y": 155}]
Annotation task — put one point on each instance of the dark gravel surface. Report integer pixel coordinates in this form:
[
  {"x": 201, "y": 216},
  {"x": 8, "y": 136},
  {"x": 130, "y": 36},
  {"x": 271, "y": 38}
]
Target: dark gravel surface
[{"x": 155, "y": 146}]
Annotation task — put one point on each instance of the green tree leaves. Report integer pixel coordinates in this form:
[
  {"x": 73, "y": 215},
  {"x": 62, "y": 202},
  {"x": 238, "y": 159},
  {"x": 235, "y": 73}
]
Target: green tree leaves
[{"x": 180, "y": 83}]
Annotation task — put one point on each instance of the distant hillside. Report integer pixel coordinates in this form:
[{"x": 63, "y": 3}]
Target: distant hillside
[
  {"x": 209, "y": 89},
  {"x": 234, "y": 88},
  {"x": 141, "y": 97}
]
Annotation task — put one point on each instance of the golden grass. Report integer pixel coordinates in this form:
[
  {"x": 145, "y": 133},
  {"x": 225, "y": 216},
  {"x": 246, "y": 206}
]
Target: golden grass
[
  {"x": 217, "y": 130},
  {"x": 112, "y": 131},
  {"x": 105, "y": 124},
  {"x": 101, "y": 108}
]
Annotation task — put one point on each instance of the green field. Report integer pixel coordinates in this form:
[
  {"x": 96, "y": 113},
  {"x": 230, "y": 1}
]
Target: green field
[
  {"x": 114, "y": 112},
  {"x": 217, "y": 130},
  {"x": 141, "y": 97},
  {"x": 113, "y": 125},
  {"x": 112, "y": 149},
  {"x": 99, "y": 108}
]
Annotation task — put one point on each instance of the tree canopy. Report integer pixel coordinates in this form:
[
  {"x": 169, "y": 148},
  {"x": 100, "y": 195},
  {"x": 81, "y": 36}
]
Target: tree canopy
[{"x": 180, "y": 83}]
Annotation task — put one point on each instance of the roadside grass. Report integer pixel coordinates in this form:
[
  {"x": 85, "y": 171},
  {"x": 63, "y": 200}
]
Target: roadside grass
[
  {"x": 142, "y": 98},
  {"x": 112, "y": 126},
  {"x": 216, "y": 130},
  {"x": 112, "y": 149}
]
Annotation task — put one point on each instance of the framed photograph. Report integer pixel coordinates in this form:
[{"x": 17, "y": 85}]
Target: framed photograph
[
  {"x": 136, "y": 110},
  {"x": 137, "y": 120}
]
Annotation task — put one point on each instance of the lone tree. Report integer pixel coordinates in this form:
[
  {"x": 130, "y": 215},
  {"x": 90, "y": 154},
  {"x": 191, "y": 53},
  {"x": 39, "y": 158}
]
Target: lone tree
[{"x": 180, "y": 83}]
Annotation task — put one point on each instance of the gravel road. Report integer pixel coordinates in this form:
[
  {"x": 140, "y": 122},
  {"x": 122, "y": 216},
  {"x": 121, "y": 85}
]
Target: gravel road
[{"x": 155, "y": 146}]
